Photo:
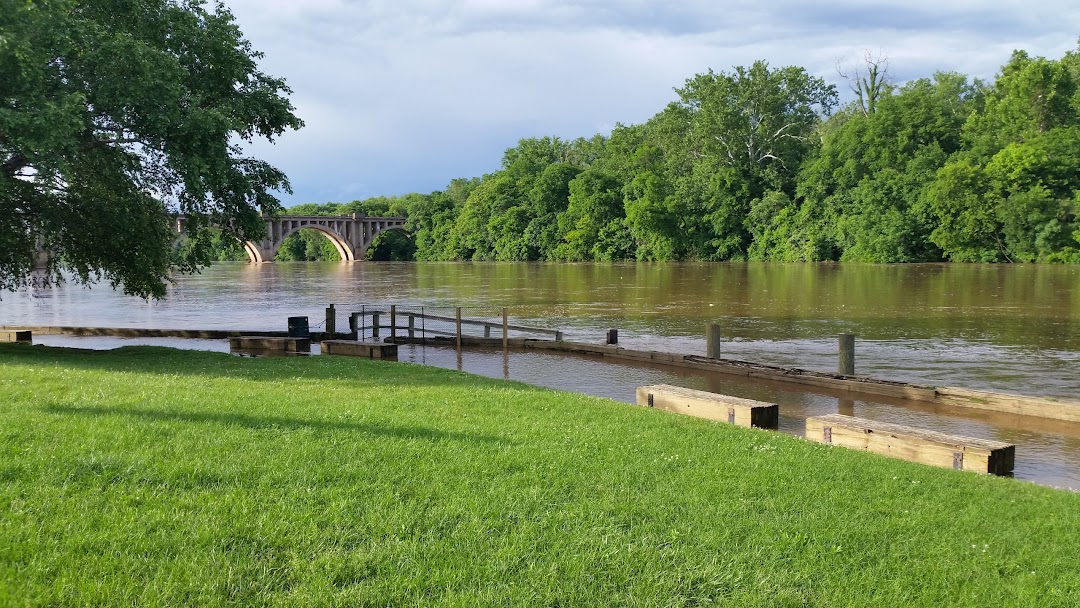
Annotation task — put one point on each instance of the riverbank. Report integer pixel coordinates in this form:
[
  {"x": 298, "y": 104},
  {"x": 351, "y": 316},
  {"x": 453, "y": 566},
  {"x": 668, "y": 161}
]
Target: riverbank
[{"x": 148, "y": 475}]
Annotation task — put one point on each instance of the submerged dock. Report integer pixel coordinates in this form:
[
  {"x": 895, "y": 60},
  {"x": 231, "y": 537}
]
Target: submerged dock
[{"x": 812, "y": 381}]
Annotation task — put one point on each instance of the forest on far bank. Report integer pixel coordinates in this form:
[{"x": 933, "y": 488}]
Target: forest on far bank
[{"x": 762, "y": 163}]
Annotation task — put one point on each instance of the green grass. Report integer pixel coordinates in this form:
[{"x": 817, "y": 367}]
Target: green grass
[{"x": 148, "y": 476}]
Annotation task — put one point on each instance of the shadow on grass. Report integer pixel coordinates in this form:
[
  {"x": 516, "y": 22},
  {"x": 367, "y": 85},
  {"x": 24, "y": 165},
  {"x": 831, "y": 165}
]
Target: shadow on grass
[
  {"x": 176, "y": 362},
  {"x": 274, "y": 422}
]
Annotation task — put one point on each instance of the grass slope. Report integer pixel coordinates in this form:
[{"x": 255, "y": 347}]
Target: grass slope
[{"x": 149, "y": 476}]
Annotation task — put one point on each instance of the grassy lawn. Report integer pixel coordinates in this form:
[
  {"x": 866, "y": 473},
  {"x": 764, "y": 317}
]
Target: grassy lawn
[{"x": 148, "y": 476}]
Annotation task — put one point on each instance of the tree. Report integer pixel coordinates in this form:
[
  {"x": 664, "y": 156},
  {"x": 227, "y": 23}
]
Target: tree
[
  {"x": 870, "y": 82},
  {"x": 116, "y": 115},
  {"x": 760, "y": 121}
]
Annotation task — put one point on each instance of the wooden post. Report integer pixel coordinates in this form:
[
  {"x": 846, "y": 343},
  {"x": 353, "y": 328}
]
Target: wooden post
[
  {"x": 412, "y": 326},
  {"x": 457, "y": 331},
  {"x": 375, "y": 325},
  {"x": 846, "y": 363},
  {"x": 506, "y": 330},
  {"x": 354, "y": 325},
  {"x": 331, "y": 321},
  {"x": 613, "y": 336},
  {"x": 393, "y": 322},
  {"x": 712, "y": 341},
  {"x": 487, "y": 331},
  {"x": 558, "y": 336}
]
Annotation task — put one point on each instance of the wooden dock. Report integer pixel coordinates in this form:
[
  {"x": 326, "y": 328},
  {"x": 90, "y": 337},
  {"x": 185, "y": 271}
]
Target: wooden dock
[{"x": 857, "y": 387}]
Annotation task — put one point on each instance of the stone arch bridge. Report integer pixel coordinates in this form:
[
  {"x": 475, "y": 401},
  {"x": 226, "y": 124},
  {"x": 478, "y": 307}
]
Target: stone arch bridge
[{"x": 351, "y": 235}]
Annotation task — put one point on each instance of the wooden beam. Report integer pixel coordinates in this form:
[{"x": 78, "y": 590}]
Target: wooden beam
[
  {"x": 288, "y": 345},
  {"x": 1043, "y": 407},
  {"x": 22, "y": 336},
  {"x": 368, "y": 349},
  {"x": 913, "y": 444},
  {"x": 711, "y": 406}
]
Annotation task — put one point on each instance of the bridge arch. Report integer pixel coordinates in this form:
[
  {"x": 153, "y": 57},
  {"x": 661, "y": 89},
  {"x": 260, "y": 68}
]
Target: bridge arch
[
  {"x": 363, "y": 253},
  {"x": 259, "y": 255}
]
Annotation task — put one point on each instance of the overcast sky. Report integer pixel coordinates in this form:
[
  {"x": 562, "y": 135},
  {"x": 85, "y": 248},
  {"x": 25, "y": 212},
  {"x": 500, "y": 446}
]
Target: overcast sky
[{"x": 403, "y": 95}]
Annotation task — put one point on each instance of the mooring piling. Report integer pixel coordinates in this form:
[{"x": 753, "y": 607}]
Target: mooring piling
[
  {"x": 712, "y": 341},
  {"x": 846, "y": 361}
]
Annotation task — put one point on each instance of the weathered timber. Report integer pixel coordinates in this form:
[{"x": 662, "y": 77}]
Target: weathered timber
[
  {"x": 369, "y": 349},
  {"x": 915, "y": 445},
  {"x": 845, "y": 361},
  {"x": 712, "y": 406},
  {"x": 868, "y": 386},
  {"x": 288, "y": 345},
  {"x": 1057, "y": 409},
  {"x": 331, "y": 320},
  {"x": 712, "y": 341},
  {"x": 612, "y": 336},
  {"x": 22, "y": 336}
]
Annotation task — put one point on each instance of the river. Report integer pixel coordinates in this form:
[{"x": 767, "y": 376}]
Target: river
[{"x": 1012, "y": 328}]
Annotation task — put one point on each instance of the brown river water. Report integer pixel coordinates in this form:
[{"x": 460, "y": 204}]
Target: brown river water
[{"x": 1011, "y": 328}]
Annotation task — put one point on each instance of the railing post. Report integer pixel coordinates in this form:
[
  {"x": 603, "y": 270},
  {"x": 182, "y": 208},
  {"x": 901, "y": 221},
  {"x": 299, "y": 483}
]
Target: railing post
[
  {"x": 393, "y": 323},
  {"x": 613, "y": 336},
  {"x": 506, "y": 330},
  {"x": 412, "y": 326},
  {"x": 712, "y": 341},
  {"x": 354, "y": 325},
  {"x": 846, "y": 360},
  {"x": 487, "y": 331},
  {"x": 457, "y": 332},
  {"x": 331, "y": 321},
  {"x": 374, "y": 324}
]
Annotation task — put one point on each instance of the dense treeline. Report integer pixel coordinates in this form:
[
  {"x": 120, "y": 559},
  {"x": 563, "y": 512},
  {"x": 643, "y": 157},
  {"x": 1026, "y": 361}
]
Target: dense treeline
[{"x": 760, "y": 164}]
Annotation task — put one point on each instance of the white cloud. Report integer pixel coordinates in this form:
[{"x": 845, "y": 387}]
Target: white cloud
[{"x": 403, "y": 96}]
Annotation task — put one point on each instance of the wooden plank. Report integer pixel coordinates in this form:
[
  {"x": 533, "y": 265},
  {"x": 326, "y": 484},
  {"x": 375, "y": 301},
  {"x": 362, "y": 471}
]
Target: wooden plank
[
  {"x": 368, "y": 349},
  {"x": 809, "y": 378},
  {"x": 292, "y": 345},
  {"x": 913, "y": 444},
  {"x": 711, "y": 406},
  {"x": 1042, "y": 407}
]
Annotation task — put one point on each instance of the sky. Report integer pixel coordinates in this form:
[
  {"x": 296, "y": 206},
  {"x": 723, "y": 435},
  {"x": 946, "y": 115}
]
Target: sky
[{"x": 402, "y": 96}]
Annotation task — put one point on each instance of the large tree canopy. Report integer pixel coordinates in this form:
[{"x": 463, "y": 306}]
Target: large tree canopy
[{"x": 116, "y": 115}]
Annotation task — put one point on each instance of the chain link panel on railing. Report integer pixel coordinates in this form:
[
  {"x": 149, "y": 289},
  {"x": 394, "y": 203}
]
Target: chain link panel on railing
[{"x": 417, "y": 322}]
